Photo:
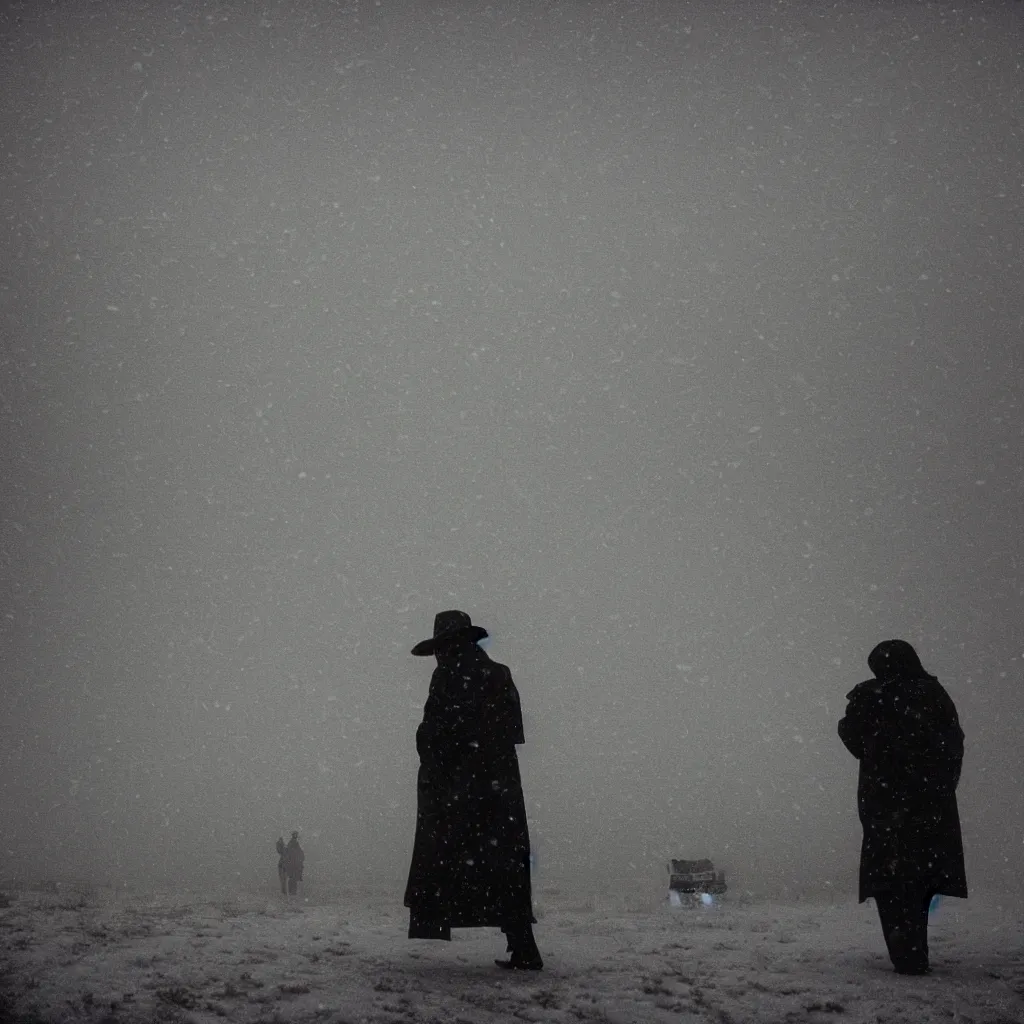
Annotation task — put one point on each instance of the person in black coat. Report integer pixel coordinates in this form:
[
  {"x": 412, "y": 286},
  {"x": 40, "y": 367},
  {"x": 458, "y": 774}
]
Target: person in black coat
[
  {"x": 903, "y": 728},
  {"x": 294, "y": 860},
  {"x": 282, "y": 875},
  {"x": 471, "y": 854}
]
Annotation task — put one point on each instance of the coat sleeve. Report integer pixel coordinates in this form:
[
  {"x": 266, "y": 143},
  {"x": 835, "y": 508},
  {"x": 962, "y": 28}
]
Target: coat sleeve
[
  {"x": 853, "y": 725},
  {"x": 511, "y": 712},
  {"x": 502, "y": 717},
  {"x": 430, "y": 735},
  {"x": 955, "y": 752},
  {"x": 431, "y": 745},
  {"x": 944, "y": 750}
]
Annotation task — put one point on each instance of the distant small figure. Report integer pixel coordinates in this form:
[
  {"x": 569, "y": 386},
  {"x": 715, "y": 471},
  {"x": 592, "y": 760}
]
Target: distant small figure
[
  {"x": 293, "y": 860},
  {"x": 282, "y": 875},
  {"x": 471, "y": 856},
  {"x": 903, "y": 728},
  {"x": 695, "y": 877}
]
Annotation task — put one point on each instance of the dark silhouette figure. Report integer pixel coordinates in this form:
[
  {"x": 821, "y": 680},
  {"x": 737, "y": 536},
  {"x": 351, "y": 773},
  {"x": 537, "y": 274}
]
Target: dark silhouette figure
[
  {"x": 282, "y": 875},
  {"x": 903, "y": 727},
  {"x": 471, "y": 856},
  {"x": 293, "y": 860}
]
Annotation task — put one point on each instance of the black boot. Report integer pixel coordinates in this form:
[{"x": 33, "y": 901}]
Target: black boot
[{"x": 523, "y": 947}]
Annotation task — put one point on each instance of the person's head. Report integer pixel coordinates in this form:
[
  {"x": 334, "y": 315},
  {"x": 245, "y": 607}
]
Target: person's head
[
  {"x": 295, "y": 836},
  {"x": 892, "y": 658},
  {"x": 452, "y": 629}
]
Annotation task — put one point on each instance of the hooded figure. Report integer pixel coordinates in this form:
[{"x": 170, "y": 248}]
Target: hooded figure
[
  {"x": 471, "y": 855},
  {"x": 903, "y": 728},
  {"x": 293, "y": 860},
  {"x": 282, "y": 875}
]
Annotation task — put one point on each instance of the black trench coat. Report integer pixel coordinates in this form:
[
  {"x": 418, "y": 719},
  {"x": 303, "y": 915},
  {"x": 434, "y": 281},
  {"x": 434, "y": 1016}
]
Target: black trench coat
[
  {"x": 906, "y": 734},
  {"x": 471, "y": 855}
]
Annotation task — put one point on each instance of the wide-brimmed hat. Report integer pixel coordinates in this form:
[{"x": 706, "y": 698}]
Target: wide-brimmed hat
[{"x": 449, "y": 626}]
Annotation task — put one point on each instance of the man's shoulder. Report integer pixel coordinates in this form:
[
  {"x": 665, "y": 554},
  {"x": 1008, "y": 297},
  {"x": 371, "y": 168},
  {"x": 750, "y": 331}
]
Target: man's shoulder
[
  {"x": 504, "y": 673},
  {"x": 869, "y": 688},
  {"x": 931, "y": 693}
]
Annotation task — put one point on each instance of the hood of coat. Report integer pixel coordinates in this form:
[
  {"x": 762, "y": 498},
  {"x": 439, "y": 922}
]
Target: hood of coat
[{"x": 893, "y": 659}]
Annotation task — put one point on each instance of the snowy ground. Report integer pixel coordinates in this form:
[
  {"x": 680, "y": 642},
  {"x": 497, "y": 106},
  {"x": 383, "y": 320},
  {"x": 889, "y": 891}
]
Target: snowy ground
[{"x": 77, "y": 954}]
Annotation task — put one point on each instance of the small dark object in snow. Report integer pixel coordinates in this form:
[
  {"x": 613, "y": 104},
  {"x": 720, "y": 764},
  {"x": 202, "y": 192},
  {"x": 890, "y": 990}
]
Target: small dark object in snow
[
  {"x": 177, "y": 996},
  {"x": 694, "y": 876}
]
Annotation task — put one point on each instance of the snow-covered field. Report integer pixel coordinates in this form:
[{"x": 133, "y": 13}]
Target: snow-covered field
[{"x": 79, "y": 954}]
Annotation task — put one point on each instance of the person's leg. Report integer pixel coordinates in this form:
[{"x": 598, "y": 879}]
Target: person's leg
[
  {"x": 889, "y": 915},
  {"x": 523, "y": 947},
  {"x": 918, "y": 902},
  {"x": 903, "y": 913}
]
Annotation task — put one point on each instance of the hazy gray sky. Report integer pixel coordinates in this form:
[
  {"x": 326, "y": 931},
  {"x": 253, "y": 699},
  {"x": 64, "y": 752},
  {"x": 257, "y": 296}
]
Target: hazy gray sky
[{"x": 679, "y": 344}]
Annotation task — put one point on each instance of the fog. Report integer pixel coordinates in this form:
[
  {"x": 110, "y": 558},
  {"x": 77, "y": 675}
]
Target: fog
[{"x": 679, "y": 344}]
